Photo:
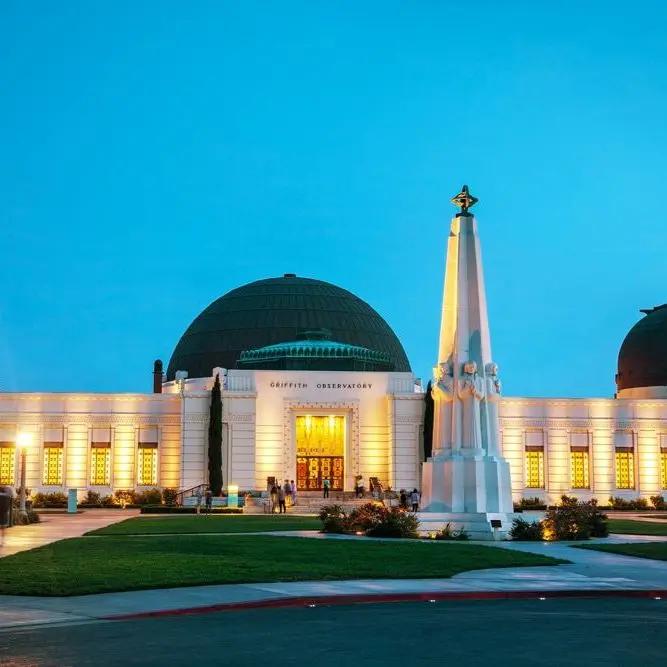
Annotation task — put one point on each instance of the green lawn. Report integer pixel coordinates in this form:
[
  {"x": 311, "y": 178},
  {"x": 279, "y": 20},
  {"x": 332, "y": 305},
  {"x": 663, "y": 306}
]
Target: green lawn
[
  {"x": 630, "y": 527},
  {"x": 117, "y": 563},
  {"x": 191, "y": 523},
  {"x": 655, "y": 550}
]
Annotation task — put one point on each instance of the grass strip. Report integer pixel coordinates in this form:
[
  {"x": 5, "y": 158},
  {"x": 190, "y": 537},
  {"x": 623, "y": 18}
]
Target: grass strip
[
  {"x": 94, "y": 565},
  {"x": 654, "y": 550},
  {"x": 630, "y": 527},
  {"x": 229, "y": 523}
]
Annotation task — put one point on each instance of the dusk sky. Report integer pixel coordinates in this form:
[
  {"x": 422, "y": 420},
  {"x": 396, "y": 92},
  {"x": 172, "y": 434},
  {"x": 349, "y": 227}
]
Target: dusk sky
[{"x": 155, "y": 155}]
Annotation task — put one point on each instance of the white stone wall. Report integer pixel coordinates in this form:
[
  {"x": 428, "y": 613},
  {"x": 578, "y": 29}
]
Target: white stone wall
[
  {"x": 77, "y": 419},
  {"x": 599, "y": 424},
  {"x": 383, "y": 415}
]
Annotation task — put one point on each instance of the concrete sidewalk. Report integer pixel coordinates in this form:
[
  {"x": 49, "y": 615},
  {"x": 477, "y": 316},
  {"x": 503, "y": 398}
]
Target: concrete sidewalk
[
  {"x": 59, "y": 526},
  {"x": 591, "y": 572}
]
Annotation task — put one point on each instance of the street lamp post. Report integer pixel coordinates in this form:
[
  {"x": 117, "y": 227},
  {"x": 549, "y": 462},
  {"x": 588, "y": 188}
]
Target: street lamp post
[{"x": 23, "y": 441}]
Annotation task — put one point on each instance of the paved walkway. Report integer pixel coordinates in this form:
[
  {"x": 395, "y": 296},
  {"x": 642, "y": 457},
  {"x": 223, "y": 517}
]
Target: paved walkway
[
  {"x": 59, "y": 526},
  {"x": 590, "y": 571}
]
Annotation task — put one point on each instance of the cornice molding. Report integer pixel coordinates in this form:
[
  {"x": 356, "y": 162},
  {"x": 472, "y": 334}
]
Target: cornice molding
[
  {"x": 40, "y": 418},
  {"x": 604, "y": 423}
]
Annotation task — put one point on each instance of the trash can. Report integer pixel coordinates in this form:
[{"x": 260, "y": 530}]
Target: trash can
[{"x": 71, "y": 501}]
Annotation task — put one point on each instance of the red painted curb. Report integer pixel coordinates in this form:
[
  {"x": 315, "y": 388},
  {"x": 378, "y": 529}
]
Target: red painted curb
[{"x": 371, "y": 598}]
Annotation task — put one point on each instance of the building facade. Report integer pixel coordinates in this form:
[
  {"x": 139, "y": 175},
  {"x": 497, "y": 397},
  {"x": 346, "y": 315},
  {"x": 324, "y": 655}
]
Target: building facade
[{"x": 316, "y": 385}]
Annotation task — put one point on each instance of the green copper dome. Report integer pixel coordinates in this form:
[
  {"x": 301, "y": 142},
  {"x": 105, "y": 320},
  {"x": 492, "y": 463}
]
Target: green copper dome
[
  {"x": 315, "y": 354},
  {"x": 278, "y": 310}
]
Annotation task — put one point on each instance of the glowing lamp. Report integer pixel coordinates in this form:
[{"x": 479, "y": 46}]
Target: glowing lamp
[{"x": 24, "y": 440}]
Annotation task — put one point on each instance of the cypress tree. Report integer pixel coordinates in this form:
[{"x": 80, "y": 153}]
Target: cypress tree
[
  {"x": 428, "y": 422},
  {"x": 215, "y": 440}
]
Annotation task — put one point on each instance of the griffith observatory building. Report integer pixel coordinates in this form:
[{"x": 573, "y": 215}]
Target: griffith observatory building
[{"x": 315, "y": 384}]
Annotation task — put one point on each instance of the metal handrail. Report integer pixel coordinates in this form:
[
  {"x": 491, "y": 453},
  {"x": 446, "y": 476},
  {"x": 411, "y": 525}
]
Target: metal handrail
[{"x": 181, "y": 495}]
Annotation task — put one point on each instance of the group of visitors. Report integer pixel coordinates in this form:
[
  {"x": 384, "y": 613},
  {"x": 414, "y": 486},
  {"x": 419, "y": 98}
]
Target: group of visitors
[
  {"x": 207, "y": 496},
  {"x": 282, "y": 495},
  {"x": 412, "y": 497}
]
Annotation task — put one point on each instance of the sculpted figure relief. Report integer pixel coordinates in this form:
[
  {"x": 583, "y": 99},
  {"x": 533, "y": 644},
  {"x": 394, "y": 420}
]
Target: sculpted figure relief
[
  {"x": 442, "y": 391},
  {"x": 491, "y": 405},
  {"x": 471, "y": 392}
]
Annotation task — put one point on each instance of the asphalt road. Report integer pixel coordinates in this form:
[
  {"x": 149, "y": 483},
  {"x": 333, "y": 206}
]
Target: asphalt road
[{"x": 499, "y": 632}]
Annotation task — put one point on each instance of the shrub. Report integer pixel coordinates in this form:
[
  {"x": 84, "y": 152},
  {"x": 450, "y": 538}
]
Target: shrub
[
  {"x": 176, "y": 509},
  {"x": 107, "y": 501},
  {"x": 56, "y": 499},
  {"x": 169, "y": 496},
  {"x": 148, "y": 497},
  {"x": 371, "y": 519},
  {"x": 125, "y": 497},
  {"x": 659, "y": 502},
  {"x": 527, "y": 530},
  {"x": 333, "y": 518},
  {"x": 366, "y": 517},
  {"x": 575, "y": 520},
  {"x": 92, "y": 498},
  {"x": 530, "y": 504},
  {"x": 619, "y": 503},
  {"x": 449, "y": 533},
  {"x": 20, "y": 519},
  {"x": 395, "y": 523}
]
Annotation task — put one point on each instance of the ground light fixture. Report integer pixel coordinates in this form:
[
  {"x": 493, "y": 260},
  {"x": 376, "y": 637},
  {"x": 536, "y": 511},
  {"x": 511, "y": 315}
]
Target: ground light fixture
[{"x": 23, "y": 442}]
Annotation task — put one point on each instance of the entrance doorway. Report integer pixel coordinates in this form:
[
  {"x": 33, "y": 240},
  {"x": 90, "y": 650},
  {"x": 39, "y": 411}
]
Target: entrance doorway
[{"x": 320, "y": 451}]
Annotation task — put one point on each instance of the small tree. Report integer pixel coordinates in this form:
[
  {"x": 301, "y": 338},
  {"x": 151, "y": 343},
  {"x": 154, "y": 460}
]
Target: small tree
[
  {"x": 215, "y": 440},
  {"x": 428, "y": 422}
]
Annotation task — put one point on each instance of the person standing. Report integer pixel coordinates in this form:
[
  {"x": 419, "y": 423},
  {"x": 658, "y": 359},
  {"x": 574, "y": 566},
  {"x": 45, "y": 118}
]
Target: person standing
[
  {"x": 281, "y": 499},
  {"x": 293, "y": 486},
  {"x": 287, "y": 487},
  {"x": 209, "y": 500},
  {"x": 359, "y": 487},
  {"x": 326, "y": 485},
  {"x": 414, "y": 499},
  {"x": 274, "y": 497},
  {"x": 403, "y": 500},
  {"x": 198, "y": 497}
]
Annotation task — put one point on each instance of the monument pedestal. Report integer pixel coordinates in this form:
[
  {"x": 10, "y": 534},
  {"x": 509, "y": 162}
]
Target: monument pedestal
[
  {"x": 466, "y": 483},
  {"x": 468, "y": 489}
]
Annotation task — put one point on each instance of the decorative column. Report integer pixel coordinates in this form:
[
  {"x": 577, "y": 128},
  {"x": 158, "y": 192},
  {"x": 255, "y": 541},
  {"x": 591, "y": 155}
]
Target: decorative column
[{"x": 466, "y": 482}]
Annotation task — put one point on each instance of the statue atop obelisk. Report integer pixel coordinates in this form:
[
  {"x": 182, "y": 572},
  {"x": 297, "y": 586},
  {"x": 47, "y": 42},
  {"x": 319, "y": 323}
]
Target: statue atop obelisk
[{"x": 466, "y": 482}]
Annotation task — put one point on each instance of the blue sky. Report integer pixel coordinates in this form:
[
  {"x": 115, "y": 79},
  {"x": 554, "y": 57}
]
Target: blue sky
[{"x": 155, "y": 155}]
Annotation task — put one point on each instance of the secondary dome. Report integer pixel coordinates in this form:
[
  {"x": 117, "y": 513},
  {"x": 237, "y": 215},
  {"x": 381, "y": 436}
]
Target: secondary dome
[
  {"x": 642, "y": 360},
  {"x": 279, "y": 310}
]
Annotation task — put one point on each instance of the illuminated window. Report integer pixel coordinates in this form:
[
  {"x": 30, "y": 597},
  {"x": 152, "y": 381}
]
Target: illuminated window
[
  {"x": 7, "y": 462},
  {"x": 625, "y": 468},
  {"x": 535, "y": 468},
  {"x": 579, "y": 468},
  {"x": 663, "y": 468},
  {"x": 147, "y": 468},
  {"x": 320, "y": 451},
  {"x": 100, "y": 464},
  {"x": 53, "y": 463}
]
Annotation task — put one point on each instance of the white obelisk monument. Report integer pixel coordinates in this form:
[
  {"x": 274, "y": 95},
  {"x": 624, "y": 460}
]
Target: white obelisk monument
[{"x": 466, "y": 481}]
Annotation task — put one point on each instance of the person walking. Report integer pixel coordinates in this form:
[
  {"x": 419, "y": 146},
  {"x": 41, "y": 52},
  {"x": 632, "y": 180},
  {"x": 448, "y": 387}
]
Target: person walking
[
  {"x": 208, "y": 496},
  {"x": 274, "y": 498},
  {"x": 326, "y": 485},
  {"x": 281, "y": 499},
  {"x": 414, "y": 499},
  {"x": 287, "y": 487},
  {"x": 403, "y": 500}
]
